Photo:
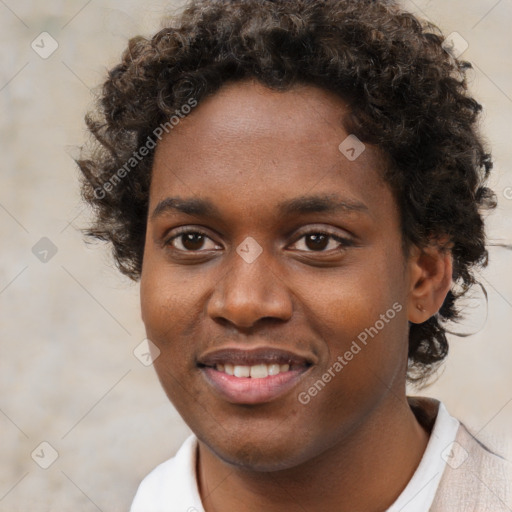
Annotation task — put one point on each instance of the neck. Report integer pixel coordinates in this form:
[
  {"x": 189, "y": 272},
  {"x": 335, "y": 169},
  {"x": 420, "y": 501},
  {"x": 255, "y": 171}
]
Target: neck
[{"x": 366, "y": 470}]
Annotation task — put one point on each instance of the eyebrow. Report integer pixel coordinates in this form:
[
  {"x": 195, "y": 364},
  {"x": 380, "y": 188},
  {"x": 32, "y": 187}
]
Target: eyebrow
[
  {"x": 321, "y": 203},
  {"x": 192, "y": 206},
  {"x": 329, "y": 203}
]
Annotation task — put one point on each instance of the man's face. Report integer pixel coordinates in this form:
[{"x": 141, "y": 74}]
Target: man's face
[{"x": 268, "y": 278}]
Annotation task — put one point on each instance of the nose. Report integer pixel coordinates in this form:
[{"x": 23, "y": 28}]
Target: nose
[{"x": 249, "y": 292}]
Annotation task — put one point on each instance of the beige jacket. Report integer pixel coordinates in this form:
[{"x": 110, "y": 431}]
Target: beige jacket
[{"x": 476, "y": 478}]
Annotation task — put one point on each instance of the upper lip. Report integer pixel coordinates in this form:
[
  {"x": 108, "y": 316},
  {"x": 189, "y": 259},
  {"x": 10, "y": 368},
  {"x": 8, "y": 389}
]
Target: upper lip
[{"x": 250, "y": 357}]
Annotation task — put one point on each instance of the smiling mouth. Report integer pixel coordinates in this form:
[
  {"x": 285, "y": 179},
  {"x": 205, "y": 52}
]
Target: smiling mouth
[
  {"x": 244, "y": 388},
  {"x": 257, "y": 371},
  {"x": 253, "y": 376},
  {"x": 256, "y": 363}
]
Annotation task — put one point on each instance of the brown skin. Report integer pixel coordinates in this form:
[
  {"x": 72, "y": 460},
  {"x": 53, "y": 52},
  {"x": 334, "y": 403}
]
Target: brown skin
[{"x": 357, "y": 443}]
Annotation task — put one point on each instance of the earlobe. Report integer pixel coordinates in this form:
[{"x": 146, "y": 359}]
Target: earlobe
[{"x": 430, "y": 271}]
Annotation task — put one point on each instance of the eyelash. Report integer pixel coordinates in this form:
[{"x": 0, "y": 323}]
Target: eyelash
[{"x": 345, "y": 242}]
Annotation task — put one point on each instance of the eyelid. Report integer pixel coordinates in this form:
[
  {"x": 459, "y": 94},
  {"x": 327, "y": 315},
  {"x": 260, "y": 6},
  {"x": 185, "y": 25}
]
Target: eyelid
[
  {"x": 344, "y": 241},
  {"x": 313, "y": 229}
]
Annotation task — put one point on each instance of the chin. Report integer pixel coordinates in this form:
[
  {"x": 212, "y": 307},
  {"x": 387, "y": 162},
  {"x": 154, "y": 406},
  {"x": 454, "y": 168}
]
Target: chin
[{"x": 259, "y": 453}]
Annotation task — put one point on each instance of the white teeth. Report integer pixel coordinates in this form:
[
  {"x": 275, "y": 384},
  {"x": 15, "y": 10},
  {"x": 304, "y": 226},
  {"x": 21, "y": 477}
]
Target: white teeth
[
  {"x": 242, "y": 371},
  {"x": 257, "y": 371},
  {"x": 273, "y": 369}
]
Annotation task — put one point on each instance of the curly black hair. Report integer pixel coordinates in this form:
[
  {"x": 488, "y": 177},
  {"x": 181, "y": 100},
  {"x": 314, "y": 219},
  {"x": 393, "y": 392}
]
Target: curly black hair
[{"x": 406, "y": 93}]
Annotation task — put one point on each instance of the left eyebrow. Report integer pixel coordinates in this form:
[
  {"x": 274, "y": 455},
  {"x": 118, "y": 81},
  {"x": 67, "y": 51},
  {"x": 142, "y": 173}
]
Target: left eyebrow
[{"x": 326, "y": 203}]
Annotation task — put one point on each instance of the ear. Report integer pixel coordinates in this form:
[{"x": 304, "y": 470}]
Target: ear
[{"x": 430, "y": 279}]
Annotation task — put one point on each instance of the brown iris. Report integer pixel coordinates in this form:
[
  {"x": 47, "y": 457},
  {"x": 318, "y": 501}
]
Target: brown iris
[
  {"x": 318, "y": 241},
  {"x": 192, "y": 241}
]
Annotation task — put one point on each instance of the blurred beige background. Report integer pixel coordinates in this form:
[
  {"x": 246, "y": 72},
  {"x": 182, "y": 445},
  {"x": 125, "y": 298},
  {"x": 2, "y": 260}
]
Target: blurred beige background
[{"x": 69, "y": 322}]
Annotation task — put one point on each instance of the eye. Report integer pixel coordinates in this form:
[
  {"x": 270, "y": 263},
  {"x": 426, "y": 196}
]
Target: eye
[
  {"x": 193, "y": 240},
  {"x": 322, "y": 241},
  {"x": 189, "y": 240}
]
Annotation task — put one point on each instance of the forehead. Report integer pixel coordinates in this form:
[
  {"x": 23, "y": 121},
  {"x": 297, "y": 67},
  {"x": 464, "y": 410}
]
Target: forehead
[{"x": 254, "y": 147}]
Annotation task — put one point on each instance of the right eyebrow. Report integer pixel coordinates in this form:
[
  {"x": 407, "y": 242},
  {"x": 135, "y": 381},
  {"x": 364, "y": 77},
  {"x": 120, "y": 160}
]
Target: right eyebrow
[{"x": 194, "y": 206}]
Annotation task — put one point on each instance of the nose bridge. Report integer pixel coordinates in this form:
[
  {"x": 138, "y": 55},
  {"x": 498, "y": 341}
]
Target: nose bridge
[{"x": 249, "y": 289}]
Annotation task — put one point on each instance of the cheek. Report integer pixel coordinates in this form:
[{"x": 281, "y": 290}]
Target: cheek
[
  {"x": 165, "y": 310},
  {"x": 365, "y": 356},
  {"x": 166, "y": 296},
  {"x": 360, "y": 314},
  {"x": 166, "y": 314},
  {"x": 352, "y": 298}
]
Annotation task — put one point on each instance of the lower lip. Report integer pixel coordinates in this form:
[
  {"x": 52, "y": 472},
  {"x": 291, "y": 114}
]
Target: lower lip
[{"x": 247, "y": 390}]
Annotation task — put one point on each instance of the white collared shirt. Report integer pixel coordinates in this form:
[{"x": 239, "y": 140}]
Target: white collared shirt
[
  {"x": 172, "y": 486},
  {"x": 421, "y": 489}
]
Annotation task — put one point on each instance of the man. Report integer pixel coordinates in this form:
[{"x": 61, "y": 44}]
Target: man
[{"x": 299, "y": 186}]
